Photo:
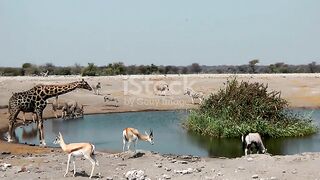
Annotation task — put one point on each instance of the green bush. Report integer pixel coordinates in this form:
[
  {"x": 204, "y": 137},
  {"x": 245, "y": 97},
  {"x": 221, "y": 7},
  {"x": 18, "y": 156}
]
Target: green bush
[
  {"x": 90, "y": 70},
  {"x": 8, "y": 71},
  {"x": 243, "y": 107}
]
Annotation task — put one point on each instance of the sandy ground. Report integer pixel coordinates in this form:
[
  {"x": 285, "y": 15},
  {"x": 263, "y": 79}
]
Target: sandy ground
[{"x": 136, "y": 93}]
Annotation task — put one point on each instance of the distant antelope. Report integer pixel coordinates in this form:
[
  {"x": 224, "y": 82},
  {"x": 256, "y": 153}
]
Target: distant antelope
[
  {"x": 96, "y": 89},
  {"x": 111, "y": 99},
  {"x": 194, "y": 95},
  {"x": 132, "y": 135},
  {"x": 68, "y": 110},
  {"x": 250, "y": 139},
  {"x": 78, "y": 110},
  {"x": 44, "y": 74},
  {"x": 77, "y": 150},
  {"x": 163, "y": 88},
  {"x": 56, "y": 106}
]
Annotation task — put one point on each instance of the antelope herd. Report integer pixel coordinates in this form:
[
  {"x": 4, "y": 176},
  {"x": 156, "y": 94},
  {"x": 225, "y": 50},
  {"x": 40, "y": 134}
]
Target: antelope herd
[{"x": 72, "y": 109}]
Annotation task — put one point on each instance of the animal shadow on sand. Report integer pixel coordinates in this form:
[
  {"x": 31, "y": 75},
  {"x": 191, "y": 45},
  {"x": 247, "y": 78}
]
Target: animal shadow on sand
[
  {"x": 111, "y": 105},
  {"x": 84, "y": 174},
  {"x": 137, "y": 155},
  {"x": 131, "y": 155}
]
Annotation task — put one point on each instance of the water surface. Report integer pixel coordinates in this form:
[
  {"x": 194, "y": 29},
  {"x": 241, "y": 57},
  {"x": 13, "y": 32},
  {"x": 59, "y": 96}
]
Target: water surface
[{"x": 105, "y": 131}]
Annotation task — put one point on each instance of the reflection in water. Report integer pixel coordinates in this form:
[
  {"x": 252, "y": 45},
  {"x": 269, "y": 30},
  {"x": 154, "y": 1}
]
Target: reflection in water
[
  {"x": 105, "y": 130},
  {"x": 15, "y": 137},
  {"x": 29, "y": 133},
  {"x": 217, "y": 147}
]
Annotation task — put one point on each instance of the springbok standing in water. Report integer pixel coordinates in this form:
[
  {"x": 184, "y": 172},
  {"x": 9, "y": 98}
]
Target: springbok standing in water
[
  {"x": 78, "y": 110},
  {"x": 250, "y": 139},
  {"x": 130, "y": 135},
  {"x": 56, "y": 106},
  {"x": 77, "y": 150}
]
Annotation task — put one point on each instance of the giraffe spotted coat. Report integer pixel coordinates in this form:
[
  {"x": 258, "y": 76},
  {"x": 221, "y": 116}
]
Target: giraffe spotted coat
[{"x": 34, "y": 100}]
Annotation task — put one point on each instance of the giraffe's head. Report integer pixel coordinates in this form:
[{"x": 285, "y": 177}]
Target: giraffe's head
[{"x": 84, "y": 85}]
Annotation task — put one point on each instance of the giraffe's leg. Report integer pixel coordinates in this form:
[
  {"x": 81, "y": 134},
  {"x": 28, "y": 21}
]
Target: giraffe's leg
[
  {"x": 41, "y": 135},
  {"x": 62, "y": 114},
  {"x": 12, "y": 120},
  {"x": 24, "y": 118},
  {"x": 55, "y": 113},
  {"x": 34, "y": 116},
  {"x": 40, "y": 128}
]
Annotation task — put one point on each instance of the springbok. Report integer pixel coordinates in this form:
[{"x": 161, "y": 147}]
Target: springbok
[
  {"x": 44, "y": 74},
  {"x": 194, "y": 95},
  {"x": 69, "y": 109},
  {"x": 96, "y": 88},
  {"x": 56, "y": 106},
  {"x": 252, "y": 139},
  {"x": 77, "y": 150},
  {"x": 111, "y": 99},
  {"x": 78, "y": 110},
  {"x": 163, "y": 88},
  {"x": 132, "y": 135}
]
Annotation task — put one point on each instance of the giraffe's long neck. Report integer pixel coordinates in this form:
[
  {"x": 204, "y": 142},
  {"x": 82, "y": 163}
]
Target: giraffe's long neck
[{"x": 48, "y": 91}]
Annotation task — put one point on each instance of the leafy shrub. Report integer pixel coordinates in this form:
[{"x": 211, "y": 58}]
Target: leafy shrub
[
  {"x": 248, "y": 107},
  {"x": 90, "y": 70},
  {"x": 115, "y": 69},
  {"x": 8, "y": 71},
  {"x": 63, "y": 71}
]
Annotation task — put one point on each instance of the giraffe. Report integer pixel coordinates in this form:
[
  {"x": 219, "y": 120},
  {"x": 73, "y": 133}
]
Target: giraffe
[{"x": 34, "y": 100}]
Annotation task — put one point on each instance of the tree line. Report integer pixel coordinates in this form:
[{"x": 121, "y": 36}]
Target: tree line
[{"x": 119, "y": 68}]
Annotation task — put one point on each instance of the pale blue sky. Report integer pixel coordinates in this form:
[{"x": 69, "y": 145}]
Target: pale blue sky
[{"x": 168, "y": 32}]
